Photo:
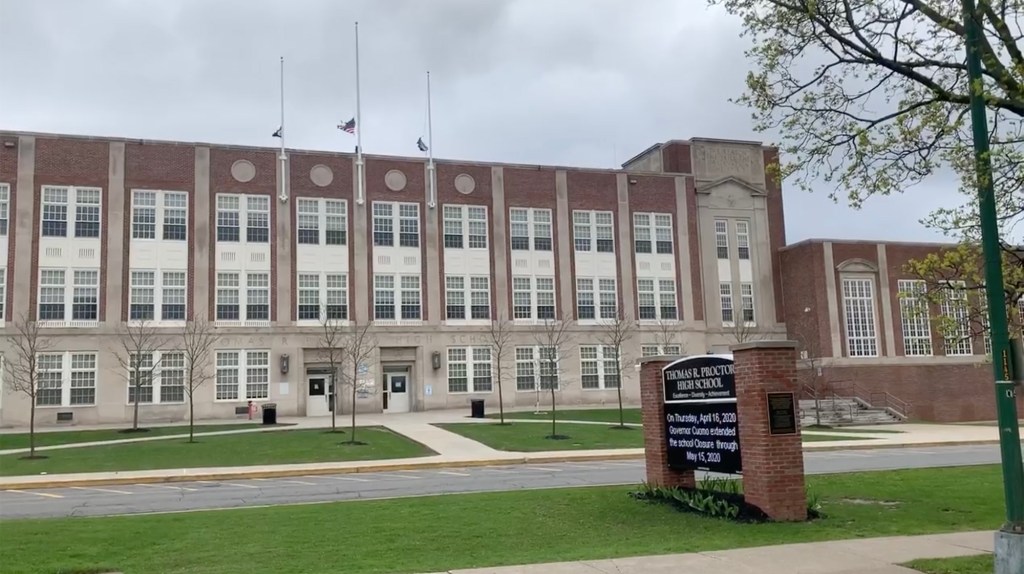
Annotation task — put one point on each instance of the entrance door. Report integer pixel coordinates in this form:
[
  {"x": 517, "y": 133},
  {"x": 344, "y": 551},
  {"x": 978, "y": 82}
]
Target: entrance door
[
  {"x": 397, "y": 388},
  {"x": 319, "y": 401}
]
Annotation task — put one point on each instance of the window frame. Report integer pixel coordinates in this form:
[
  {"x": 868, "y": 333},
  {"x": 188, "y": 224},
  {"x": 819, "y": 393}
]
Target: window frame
[
  {"x": 397, "y": 223},
  {"x": 534, "y": 362},
  {"x": 327, "y": 214},
  {"x": 5, "y": 209},
  {"x": 473, "y": 369},
  {"x": 326, "y": 291},
  {"x": 246, "y": 364},
  {"x": 658, "y": 295},
  {"x": 954, "y": 307},
  {"x": 246, "y": 213},
  {"x": 743, "y": 240},
  {"x": 722, "y": 238},
  {"x": 536, "y": 219},
  {"x": 870, "y": 344},
  {"x": 463, "y": 217},
  {"x": 587, "y": 231},
  {"x": 604, "y": 366},
  {"x": 400, "y": 305},
  {"x": 162, "y": 214},
  {"x": 596, "y": 290},
  {"x": 77, "y": 296},
  {"x": 469, "y": 292},
  {"x": 915, "y": 319},
  {"x": 535, "y": 292},
  {"x": 67, "y": 380},
  {"x": 155, "y": 378}
]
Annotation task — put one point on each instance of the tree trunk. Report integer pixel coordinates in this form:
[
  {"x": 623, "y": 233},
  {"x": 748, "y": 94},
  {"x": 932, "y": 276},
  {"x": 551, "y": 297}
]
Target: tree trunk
[
  {"x": 501, "y": 400},
  {"x": 191, "y": 418},
  {"x": 135, "y": 415},
  {"x": 32, "y": 428},
  {"x": 355, "y": 373},
  {"x": 553, "y": 416},
  {"x": 622, "y": 416},
  {"x": 333, "y": 389}
]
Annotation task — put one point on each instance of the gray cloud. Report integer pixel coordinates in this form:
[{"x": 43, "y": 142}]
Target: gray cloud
[{"x": 573, "y": 82}]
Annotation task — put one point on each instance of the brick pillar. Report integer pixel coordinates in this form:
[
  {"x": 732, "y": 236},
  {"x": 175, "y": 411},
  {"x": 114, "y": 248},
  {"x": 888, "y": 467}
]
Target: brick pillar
[
  {"x": 652, "y": 400},
  {"x": 773, "y": 465}
]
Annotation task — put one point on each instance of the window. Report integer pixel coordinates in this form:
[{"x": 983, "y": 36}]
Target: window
[
  {"x": 171, "y": 378},
  {"x": 405, "y": 291},
  {"x": 747, "y": 302},
  {"x": 725, "y": 298},
  {"x": 5, "y": 207},
  {"x": 3, "y": 296},
  {"x": 530, "y": 226},
  {"x": 383, "y": 224},
  {"x": 600, "y": 305},
  {"x": 238, "y": 368},
  {"x": 55, "y": 212},
  {"x": 66, "y": 379},
  {"x": 478, "y": 299},
  {"x": 321, "y": 221},
  {"x": 958, "y": 331},
  {"x": 173, "y": 296},
  {"x": 465, "y": 226},
  {"x": 51, "y": 294},
  {"x": 257, "y": 304},
  {"x": 328, "y": 296},
  {"x": 142, "y": 300},
  {"x": 859, "y": 307},
  {"x": 387, "y": 216},
  {"x": 337, "y": 296},
  {"x": 656, "y": 299},
  {"x": 87, "y": 212},
  {"x": 227, "y": 297},
  {"x": 256, "y": 216},
  {"x": 722, "y": 238},
  {"x": 309, "y": 297},
  {"x": 743, "y": 239},
  {"x": 167, "y": 210},
  {"x": 86, "y": 302},
  {"x": 140, "y": 378},
  {"x": 660, "y": 350},
  {"x": 536, "y": 368},
  {"x": 599, "y": 367},
  {"x": 593, "y": 231},
  {"x": 917, "y": 333},
  {"x": 533, "y": 298},
  {"x": 658, "y": 224},
  {"x": 469, "y": 370}
]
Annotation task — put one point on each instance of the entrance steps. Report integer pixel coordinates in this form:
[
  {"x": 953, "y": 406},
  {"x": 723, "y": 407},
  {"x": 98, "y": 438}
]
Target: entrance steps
[{"x": 836, "y": 411}]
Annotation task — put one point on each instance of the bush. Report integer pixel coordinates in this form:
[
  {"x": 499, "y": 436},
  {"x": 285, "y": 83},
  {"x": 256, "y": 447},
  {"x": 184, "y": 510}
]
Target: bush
[{"x": 716, "y": 498}]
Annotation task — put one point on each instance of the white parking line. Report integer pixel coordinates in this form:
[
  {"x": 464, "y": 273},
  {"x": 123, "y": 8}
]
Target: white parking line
[
  {"x": 168, "y": 487},
  {"x": 587, "y": 466},
  {"x": 451, "y": 473},
  {"x": 107, "y": 490},
  {"x": 395, "y": 475},
  {"x": 45, "y": 494},
  {"x": 303, "y": 482},
  {"x": 501, "y": 470},
  {"x": 548, "y": 468},
  {"x": 239, "y": 485},
  {"x": 350, "y": 478}
]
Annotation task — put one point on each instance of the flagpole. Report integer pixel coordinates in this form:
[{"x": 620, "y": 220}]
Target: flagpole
[
  {"x": 282, "y": 157},
  {"x": 360, "y": 176},
  {"x": 430, "y": 152}
]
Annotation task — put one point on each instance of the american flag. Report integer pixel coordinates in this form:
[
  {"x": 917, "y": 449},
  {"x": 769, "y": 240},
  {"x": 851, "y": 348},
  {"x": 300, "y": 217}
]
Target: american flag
[{"x": 349, "y": 126}]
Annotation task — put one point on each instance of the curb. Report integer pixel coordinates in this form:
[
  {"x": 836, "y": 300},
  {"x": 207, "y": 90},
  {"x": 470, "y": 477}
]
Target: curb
[{"x": 830, "y": 447}]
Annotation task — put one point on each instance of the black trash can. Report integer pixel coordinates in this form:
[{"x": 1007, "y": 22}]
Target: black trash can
[
  {"x": 270, "y": 414},
  {"x": 476, "y": 407}
]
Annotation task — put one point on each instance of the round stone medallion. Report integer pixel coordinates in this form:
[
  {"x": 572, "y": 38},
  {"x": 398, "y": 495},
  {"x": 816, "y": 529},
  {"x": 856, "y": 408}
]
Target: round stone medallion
[
  {"x": 395, "y": 180},
  {"x": 321, "y": 175},
  {"x": 464, "y": 183},
  {"x": 243, "y": 170}
]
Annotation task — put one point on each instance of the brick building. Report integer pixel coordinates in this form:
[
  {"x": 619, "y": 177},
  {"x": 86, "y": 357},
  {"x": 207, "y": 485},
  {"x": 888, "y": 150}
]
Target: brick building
[{"x": 688, "y": 239}]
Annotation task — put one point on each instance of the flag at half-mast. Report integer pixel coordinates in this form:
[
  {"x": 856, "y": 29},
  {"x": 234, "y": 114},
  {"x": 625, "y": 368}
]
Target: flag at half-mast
[
  {"x": 279, "y": 132},
  {"x": 422, "y": 146},
  {"x": 349, "y": 126}
]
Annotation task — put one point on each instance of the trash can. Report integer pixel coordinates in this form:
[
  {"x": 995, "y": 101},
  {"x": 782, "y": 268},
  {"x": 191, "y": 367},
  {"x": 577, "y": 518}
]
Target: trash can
[
  {"x": 270, "y": 414},
  {"x": 476, "y": 407}
]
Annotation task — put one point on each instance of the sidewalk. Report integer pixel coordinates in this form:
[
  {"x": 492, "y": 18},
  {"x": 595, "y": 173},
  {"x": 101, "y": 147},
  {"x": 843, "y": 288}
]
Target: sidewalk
[{"x": 864, "y": 556}]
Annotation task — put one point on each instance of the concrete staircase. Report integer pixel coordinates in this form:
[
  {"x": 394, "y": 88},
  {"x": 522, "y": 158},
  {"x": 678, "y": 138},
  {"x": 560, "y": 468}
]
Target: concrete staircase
[{"x": 836, "y": 411}]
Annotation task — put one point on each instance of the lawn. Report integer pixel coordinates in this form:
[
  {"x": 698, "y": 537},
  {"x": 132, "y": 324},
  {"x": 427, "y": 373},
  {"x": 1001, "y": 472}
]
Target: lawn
[
  {"x": 530, "y": 437},
  {"x": 20, "y": 440},
  {"x": 983, "y": 564},
  {"x": 488, "y": 529},
  {"x": 632, "y": 415},
  {"x": 270, "y": 447}
]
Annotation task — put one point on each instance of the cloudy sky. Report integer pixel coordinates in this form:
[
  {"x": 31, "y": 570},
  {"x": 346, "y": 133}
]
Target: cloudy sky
[{"x": 568, "y": 82}]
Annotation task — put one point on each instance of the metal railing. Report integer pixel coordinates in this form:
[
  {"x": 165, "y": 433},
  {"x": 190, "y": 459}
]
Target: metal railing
[{"x": 865, "y": 397}]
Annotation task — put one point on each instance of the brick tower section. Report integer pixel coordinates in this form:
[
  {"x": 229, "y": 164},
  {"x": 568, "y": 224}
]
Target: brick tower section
[
  {"x": 773, "y": 465},
  {"x": 652, "y": 397}
]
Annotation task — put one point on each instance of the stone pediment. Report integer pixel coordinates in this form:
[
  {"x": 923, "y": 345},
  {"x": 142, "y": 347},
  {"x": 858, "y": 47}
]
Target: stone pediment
[
  {"x": 711, "y": 186},
  {"x": 857, "y": 265}
]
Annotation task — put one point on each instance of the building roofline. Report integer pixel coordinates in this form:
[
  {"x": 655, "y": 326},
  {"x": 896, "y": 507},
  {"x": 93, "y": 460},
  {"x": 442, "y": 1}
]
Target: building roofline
[{"x": 817, "y": 240}]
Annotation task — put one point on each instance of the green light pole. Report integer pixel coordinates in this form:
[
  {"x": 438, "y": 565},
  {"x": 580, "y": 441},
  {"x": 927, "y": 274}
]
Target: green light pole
[{"x": 1010, "y": 539}]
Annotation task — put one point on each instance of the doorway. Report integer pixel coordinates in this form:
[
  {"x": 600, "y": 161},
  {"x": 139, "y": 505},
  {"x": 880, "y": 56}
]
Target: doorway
[
  {"x": 320, "y": 399},
  {"x": 396, "y": 391}
]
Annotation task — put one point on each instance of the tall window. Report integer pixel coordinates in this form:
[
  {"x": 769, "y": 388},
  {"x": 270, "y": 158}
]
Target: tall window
[
  {"x": 596, "y": 299},
  {"x": 66, "y": 379},
  {"x": 652, "y": 232},
  {"x": 530, "y": 228},
  {"x": 3, "y": 294},
  {"x": 243, "y": 375},
  {"x": 171, "y": 378},
  {"x": 321, "y": 221},
  {"x": 5, "y": 207},
  {"x": 140, "y": 378},
  {"x": 958, "y": 331},
  {"x": 469, "y": 370},
  {"x": 397, "y": 298},
  {"x": 533, "y": 298},
  {"x": 465, "y": 226},
  {"x": 309, "y": 297},
  {"x": 52, "y": 294},
  {"x": 725, "y": 297},
  {"x": 599, "y": 367},
  {"x": 747, "y": 302},
  {"x": 232, "y": 210},
  {"x": 388, "y": 216},
  {"x": 159, "y": 214},
  {"x": 142, "y": 306},
  {"x": 474, "y": 303},
  {"x": 859, "y": 306},
  {"x": 593, "y": 231},
  {"x": 917, "y": 332},
  {"x": 58, "y": 202},
  {"x": 173, "y": 296},
  {"x": 722, "y": 238},
  {"x": 656, "y": 299},
  {"x": 85, "y": 305},
  {"x": 743, "y": 239},
  {"x": 257, "y": 305},
  {"x": 337, "y": 296},
  {"x": 228, "y": 297},
  {"x": 536, "y": 368}
]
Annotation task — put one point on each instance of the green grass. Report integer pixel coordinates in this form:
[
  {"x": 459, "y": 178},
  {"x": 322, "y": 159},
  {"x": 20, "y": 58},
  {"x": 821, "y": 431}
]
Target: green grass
[
  {"x": 983, "y": 564},
  {"x": 487, "y": 529},
  {"x": 632, "y": 415},
  {"x": 530, "y": 437},
  {"x": 270, "y": 447},
  {"x": 20, "y": 440}
]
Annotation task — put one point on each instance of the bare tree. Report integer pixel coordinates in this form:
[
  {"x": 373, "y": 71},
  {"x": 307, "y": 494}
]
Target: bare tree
[
  {"x": 617, "y": 333},
  {"x": 197, "y": 340},
  {"x": 501, "y": 345},
  {"x": 744, "y": 332},
  {"x": 358, "y": 345},
  {"x": 26, "y": 344},
  {"x": 553, "y": 342},
  {"x": 140, "y": 341},
  {"x": 332, "y": 349},
  {"x": 666, "y": 335}
]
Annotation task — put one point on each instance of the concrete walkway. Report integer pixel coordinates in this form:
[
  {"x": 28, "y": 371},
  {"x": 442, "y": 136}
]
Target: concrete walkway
[{"x": 864, "y": 556}]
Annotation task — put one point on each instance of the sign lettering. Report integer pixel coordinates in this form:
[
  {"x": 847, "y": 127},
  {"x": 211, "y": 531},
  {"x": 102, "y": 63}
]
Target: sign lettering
[{"x": 702, "y": 429}]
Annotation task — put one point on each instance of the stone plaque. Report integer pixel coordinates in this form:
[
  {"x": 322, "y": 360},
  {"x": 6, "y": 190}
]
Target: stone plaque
[{"x": 781, "y": 413}]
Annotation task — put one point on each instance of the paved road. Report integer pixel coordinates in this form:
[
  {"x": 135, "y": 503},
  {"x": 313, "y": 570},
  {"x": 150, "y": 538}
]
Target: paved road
[{"x": 179, "y": 496}]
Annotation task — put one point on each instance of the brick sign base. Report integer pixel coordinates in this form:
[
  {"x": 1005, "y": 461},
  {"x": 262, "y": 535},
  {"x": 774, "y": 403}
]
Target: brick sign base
[{"x": 773, "y": 464}]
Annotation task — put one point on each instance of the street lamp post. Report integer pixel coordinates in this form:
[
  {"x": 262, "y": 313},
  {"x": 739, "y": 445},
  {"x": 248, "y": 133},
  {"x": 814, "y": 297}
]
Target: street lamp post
[{"x": 1009, "y": 543}]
